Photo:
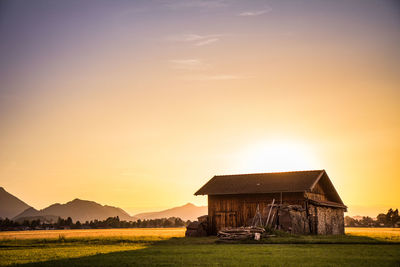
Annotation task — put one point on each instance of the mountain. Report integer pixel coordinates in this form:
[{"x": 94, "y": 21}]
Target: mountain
[
  {"x": 31, "y": 214},
  {"x": 83, "y": 210},
  {"x": 78, "y": 210},
  {"x": 10, "y": 205},
  {"x": 185, "y": 212}
]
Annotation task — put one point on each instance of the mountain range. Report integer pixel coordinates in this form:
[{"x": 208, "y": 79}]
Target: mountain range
[
  {"x": 78, "y": 210},
  {"x": 10, "y": 206},
  {"x": 185, "y": 212},
  {"x": 84, "y": 210}
]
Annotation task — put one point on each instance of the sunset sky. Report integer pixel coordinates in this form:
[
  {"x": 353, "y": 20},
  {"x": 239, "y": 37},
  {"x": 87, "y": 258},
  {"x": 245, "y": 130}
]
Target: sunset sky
[{"x": 137, "y": 104}]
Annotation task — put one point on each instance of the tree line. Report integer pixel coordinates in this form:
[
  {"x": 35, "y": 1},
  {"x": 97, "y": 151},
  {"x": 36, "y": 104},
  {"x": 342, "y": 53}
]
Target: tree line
[
  {"x": 111, "y": 222},
  {"x": 390, "y": 219}
]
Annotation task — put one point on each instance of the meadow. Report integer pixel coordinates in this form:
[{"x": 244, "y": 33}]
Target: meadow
[{"x": 168, "y": 247}]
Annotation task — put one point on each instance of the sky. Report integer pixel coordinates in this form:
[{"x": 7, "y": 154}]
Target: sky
[{"x": 137, "y": 104}]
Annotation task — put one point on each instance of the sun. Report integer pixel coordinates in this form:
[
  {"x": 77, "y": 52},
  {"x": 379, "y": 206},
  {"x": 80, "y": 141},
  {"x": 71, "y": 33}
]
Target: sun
[{"x": 277, "y": 155}]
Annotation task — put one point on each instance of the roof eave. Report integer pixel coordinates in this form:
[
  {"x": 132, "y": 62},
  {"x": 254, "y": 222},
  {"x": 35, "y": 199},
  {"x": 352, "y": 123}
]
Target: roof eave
[
  {"x": 337, "y": 194},
  {"x": 199, "y": 192},
  {"x": 246, "y": 193},
  {"x": 331, "y": 204}
]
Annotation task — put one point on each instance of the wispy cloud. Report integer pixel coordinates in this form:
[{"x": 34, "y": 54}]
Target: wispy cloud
[
  {"x": 194, "y": 69},
  {"x": 187, "y": 64},
  {"x": 221, "y": 77},
  {"x": 254, "y": 13},
  {"x": 207, "y": 42},
  {"x": 216, "y": 77},
  {"x": 196, "y": 39}
]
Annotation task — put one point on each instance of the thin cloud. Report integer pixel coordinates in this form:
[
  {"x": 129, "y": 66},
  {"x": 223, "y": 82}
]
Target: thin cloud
[
  {"x": 254, "y": 13},
  {"x": 187, "y": 64},
  {"x": 222, "y": 77},
  {"x": 207, "y": 42},
  {"x": 194, "y": 69},
  {"x": 196, "y": 39},
  {"x": 218, "y": 77},
  {"x": 191, "y": 37}
]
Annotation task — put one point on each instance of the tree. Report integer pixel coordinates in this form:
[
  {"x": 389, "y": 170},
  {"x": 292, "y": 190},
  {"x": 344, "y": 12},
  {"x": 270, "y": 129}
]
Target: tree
[
  {"x": 35, "y": 223},
  {"x": 381, "y": 219},
  {"x": 392, "y": 217},
  {"x": 167, "y": 223},
  {"x": 60, "y": 222},
  {"x": 69, "y": 221},
  {"x": 350, "y": 222},
  {"x": 367, "y": 221}
]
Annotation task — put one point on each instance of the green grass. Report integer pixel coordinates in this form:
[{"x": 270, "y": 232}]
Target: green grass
[
  {"x": 326, "y": 239},
  {"x": 158, "y": 250}
]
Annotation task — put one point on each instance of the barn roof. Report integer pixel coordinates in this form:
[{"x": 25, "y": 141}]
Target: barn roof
[
  {"x": 261, "y": 183},
  {"x": 297, "y": 181}
]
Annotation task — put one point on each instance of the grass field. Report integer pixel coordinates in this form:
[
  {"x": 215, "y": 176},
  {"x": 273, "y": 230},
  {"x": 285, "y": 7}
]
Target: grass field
[
  {"x": 168, "y": 247},
  {"x": 160, "y": 233}
]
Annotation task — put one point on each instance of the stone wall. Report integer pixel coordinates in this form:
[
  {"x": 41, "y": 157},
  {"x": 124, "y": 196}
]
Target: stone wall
[
  {"x": 299, "y": 222},
  {"x": 290, "y": 218},
  {"x": 322, "y": 220},
  {"x": 326, "y": 220}
]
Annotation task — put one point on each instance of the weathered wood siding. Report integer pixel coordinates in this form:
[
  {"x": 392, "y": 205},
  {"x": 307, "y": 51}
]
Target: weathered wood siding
[
  {"x": 317, "y": 193},
  {"x": 238, "y": 210}
]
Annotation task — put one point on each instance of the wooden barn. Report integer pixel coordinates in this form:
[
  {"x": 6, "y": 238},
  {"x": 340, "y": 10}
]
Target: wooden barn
[{"x": 300, "y": 202}]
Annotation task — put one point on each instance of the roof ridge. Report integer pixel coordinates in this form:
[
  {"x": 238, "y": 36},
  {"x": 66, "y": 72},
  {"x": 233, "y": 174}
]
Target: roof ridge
[{"x": 258, "y": 173}]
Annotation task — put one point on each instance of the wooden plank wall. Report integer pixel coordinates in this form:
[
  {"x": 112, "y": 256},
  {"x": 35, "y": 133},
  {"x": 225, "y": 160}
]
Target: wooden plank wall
[
  {"x": 238, "y": 210},
  {"x": 317, "y": 193}
]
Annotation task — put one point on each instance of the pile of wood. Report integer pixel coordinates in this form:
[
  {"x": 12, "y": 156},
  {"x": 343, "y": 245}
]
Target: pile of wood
[
  {"x": 240, "y": 233},
  {"x": 197, "y": 228}
]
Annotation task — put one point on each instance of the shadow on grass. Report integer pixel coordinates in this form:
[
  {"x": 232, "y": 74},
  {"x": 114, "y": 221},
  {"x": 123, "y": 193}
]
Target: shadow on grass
[
  {"x": 206, "y": 251},
  {"x": 155, "y": 253},
  {"x": 323, "y": 239}
]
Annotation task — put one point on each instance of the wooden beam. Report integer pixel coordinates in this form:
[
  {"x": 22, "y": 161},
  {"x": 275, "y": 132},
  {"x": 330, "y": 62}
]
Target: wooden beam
[
  {"x": 269, "y": 213},
  {"x": 317, "y": 180}
]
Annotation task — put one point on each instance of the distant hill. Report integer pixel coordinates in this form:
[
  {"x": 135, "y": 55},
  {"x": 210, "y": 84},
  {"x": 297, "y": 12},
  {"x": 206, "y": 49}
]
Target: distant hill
[
  {"x": 78, "y": 210},
  {"x": 185, "y": 212},
  {"x": 10, "y": 205},
  {"x": 83, "y": 210}
]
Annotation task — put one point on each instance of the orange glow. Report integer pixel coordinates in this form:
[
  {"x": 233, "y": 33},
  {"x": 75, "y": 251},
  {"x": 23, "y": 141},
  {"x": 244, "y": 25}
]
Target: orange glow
[
  {"x": 137, "y": 104},
  {"x": 277, "y": 155}
]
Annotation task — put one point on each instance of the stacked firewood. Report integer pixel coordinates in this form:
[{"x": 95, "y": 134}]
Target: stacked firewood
[
  {"x": 240, "y": 233},
  {"x": 196, "y": 229}
]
